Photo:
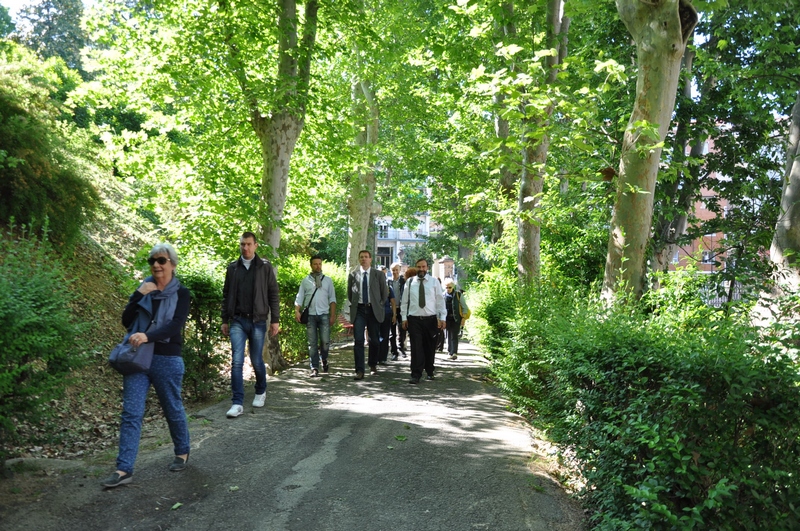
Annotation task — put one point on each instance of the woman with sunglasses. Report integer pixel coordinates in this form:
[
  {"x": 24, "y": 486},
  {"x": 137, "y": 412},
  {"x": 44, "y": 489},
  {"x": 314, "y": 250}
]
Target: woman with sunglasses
[
  {"x": 457, "y": 313},
  {"x": 170, "y": 307}
]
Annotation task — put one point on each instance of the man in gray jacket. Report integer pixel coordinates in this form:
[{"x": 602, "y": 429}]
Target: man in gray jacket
[
  {"x": 367, "y": 292},
  {"x": 250, "y": 296}
]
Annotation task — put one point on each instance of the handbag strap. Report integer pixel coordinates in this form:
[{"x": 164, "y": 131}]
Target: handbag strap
[{"x": 312, "y": 295}]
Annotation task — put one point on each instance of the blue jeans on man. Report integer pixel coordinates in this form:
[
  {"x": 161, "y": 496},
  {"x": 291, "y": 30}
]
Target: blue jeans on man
[
  {"x": 318, "y": 333},
  {"x": 245, "y": 330},
  {"x": 166, "y": 376},
  {"x": 365, "y": 320}
]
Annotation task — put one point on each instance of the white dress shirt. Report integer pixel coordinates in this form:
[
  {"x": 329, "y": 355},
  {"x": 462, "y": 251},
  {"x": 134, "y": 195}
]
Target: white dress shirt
[{"x": 434, "y": 300}]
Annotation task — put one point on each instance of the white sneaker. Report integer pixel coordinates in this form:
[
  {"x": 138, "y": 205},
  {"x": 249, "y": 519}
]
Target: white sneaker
[
  {"x": 258, "y": 400},
  {"x": 234, "y": 411}
]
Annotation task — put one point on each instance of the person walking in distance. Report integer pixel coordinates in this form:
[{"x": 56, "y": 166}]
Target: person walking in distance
[
  {"x": 318, "y": 295},
  {"x": 389, "y": 320},
  {"x": 397, "y": 334},
  {"x": 457, "y": 313},
  {"x": 367, "y": 293},
  {"x": 249, "y": 298},
  {"x": 423, "y": 312}
]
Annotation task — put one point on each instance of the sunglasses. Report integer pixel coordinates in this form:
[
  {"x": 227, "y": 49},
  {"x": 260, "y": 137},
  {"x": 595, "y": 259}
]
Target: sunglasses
[
  {"x": 449, "y": 287},
  {"x": 161, "y": 260}
]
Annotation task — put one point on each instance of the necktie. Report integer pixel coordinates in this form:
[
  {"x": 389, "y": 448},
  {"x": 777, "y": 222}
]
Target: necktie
[
  {"x": 364, "y": 294},
  {"x": 421, "y": 293}
]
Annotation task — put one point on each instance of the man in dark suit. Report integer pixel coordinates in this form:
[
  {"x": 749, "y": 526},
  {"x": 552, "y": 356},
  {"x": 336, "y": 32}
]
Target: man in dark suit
[{"x": 367, "y": 292}]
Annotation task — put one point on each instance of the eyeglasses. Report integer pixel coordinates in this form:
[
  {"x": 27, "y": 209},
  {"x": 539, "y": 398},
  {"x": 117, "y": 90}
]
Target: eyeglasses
[
  {"x": 448, "y": 288},
  {"x": 161, "y": 260}
]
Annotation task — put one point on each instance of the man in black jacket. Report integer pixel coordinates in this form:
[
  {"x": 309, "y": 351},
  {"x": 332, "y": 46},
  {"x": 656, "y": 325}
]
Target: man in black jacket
[{"x": 249, "y": 298}]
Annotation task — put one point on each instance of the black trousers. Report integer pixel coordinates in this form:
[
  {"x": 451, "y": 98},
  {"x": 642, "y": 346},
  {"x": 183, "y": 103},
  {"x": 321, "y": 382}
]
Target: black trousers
[
  {"x": 422, "y": 332},
  {"x": 397, "y": 335}
]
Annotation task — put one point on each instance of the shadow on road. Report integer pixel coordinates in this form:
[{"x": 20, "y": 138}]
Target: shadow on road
[{"x": 332, "y": 454}]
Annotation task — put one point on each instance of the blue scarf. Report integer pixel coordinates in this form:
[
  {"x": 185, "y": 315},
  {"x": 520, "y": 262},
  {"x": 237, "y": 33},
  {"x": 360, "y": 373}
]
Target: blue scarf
[{"x": 166, "y": 310}]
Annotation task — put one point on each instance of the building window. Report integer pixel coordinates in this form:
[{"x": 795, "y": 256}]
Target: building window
[
  {"x": 675, "y": 257},
  {"x": 383, "y": 256},
  {"x": 383, "y": 229},
  {"x": 708, "y": 257}
]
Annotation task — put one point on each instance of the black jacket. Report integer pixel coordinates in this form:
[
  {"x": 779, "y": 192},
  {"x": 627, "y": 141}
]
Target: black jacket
[{"x": 266, "y": 300}]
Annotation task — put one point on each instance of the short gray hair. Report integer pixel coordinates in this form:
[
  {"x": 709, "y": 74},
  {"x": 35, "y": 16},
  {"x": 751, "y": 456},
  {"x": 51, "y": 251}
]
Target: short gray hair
[{"x": 167, "y": 249}]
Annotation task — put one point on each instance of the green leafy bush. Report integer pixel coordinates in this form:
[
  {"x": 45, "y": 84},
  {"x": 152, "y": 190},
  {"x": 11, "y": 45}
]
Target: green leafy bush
[
  {"x": 291, "y": 271},
  {"x": 203, "y": 352},
  {"x": 679, "y": 418},
  {"x": 38, "y": 332},
  {"x": 38, "y": 180},
  {"x": 493, "y": 303}
]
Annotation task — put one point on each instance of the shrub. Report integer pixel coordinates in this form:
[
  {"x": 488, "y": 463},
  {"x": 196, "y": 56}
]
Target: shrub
[
  {"x": 38, "y": 180},
  {"x": 493, "y": 303},
  {"x": 38, "y": 346},
  {"x": 676, "y": 421},
  {"x": 291, "y": 271},
  {"x": 203, "y": 353}
]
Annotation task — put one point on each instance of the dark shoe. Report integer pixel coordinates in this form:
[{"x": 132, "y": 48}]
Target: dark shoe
[
  {"x": 359, "y": 376},
  {"x": 373, "y": 370},
  {"x": 178, "y": 464},
  {"x": 429, "y": 377},
  {"x": 325, "y": 367},
  {"x": 394, "y": 357},
  {"x": 453, "y": 357},
  {"x": 115, "y": 480},
  {"x": 314, "y": 373},
  {"x": 404, "y": 354},
  {"x": 414, "y": 381}
]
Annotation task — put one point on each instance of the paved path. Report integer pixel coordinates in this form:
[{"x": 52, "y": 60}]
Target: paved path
[{"x": 332, "y": 454}]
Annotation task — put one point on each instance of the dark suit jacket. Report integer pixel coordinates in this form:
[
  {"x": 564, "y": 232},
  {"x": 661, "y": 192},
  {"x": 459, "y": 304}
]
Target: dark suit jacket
[{"x": 378, "y": 293}]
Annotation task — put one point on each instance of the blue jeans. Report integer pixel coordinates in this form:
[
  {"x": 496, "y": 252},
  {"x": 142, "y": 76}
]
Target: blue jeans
[
  {"x": 318, "y": 333},
  {"x": 166, "y": 377},
  {"x": 365, "y": 320},
  {"x": 245, "y": 330}
]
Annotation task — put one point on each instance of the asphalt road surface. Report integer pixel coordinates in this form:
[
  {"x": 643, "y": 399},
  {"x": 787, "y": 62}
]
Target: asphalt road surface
[{"x": 331, "y": 454}]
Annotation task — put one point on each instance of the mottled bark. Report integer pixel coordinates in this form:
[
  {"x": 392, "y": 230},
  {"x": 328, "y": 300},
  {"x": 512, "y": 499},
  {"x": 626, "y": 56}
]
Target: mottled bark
[
  {"x": 661, "y": 29},
  {"x": 278, "y": 124},
  {"x": 785, "y": 249},
  {"x": 534, "y": 156},
  {"x": 361, "y": 204}
]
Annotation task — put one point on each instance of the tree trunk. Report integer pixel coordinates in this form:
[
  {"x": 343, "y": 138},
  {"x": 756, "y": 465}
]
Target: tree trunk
[
  {"x": 466, "y": 250},
  {"x": 278, "y": 136},
  {"x": 504, "y": 27},
  {"x": 785, "y": 249},
  {"x": 361, "y": 204},
  {"x": 682, "y": 193},
  {"x": 279, "y": 125},
  {"x": 534, "y": 156},
  {"x": 661, "y": 29}
]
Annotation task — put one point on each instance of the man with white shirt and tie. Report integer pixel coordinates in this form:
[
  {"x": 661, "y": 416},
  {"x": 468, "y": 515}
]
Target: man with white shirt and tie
[
  {"x": 367, "y": 292},
  {"x": 424, "y": 313}
]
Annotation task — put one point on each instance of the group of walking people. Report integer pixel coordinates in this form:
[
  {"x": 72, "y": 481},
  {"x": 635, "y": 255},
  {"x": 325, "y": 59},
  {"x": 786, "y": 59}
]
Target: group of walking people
[
  {"x": 422, "y": 309},
  {"x": 380, "y": 309}
]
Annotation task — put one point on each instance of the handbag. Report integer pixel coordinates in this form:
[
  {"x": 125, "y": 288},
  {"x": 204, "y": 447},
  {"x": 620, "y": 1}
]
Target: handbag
[
  {"x": 127, "y": 359},
  {"x": 304, "y": 314}
]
